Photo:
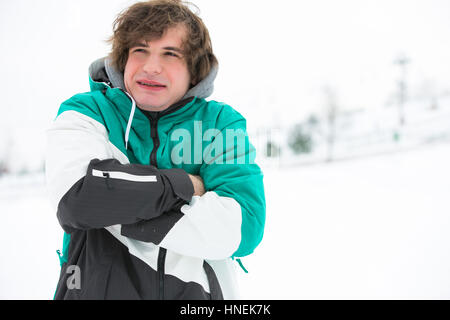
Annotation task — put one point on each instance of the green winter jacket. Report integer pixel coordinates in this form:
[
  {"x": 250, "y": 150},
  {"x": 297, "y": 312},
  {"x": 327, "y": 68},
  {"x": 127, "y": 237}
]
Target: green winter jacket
[{"x": 118, "y": 179}]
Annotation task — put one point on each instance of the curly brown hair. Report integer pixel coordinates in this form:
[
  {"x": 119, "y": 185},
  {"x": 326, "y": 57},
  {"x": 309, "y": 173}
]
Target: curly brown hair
[{"x": 149, "y": 20}]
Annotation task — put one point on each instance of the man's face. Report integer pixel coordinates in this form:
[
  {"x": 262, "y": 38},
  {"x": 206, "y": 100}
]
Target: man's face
[{"x": 156, "y": 74}]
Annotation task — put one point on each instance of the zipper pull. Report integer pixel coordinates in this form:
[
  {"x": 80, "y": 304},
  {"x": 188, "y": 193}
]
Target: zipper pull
[{"x": 108, "y": 183}]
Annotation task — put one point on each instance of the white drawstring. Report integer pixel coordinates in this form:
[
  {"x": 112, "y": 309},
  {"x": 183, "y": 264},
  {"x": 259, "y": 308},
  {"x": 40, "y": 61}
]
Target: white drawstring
[{"x": 130, "y": 120}]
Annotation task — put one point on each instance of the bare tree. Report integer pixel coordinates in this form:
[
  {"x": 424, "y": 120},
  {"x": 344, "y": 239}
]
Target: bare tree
[
  {"x": 402, "y": 61},
  {"x": 331, "y": 110}
]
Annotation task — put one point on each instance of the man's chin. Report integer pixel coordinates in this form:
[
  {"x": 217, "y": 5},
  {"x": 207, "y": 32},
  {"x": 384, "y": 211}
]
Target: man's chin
[{"x": 152, "y": 107}]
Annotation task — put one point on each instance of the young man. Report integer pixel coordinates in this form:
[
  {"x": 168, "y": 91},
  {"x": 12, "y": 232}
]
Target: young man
[{"x": 154, "y": 186}]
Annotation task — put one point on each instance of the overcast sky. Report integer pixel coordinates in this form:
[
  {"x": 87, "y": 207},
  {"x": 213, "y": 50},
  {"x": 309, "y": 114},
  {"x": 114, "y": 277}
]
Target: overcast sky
[{"x": 275, "y": 56}]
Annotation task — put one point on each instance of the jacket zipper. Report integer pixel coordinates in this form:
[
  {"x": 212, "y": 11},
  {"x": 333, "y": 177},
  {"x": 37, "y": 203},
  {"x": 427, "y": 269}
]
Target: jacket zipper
[
  {"x": 153, "y": 162},
  {"x": 155, "y": 138},
  {"x": 161, "y": 271}
]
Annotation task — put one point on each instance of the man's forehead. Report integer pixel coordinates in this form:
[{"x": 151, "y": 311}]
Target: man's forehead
[{"x": 174, "y": 36}]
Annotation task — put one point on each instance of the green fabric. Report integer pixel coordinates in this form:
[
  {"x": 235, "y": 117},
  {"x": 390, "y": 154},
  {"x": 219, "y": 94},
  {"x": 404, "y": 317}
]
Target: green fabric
[
  {"x": 63, "y": 258},
  {"x": 235, "y": 176}
]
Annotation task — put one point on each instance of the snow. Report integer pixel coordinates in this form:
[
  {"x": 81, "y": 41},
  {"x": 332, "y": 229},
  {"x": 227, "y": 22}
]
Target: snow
[
  {"x": 372, "y": 228},
  {"x": 367, "y": 228},
  {"x": 29, "y": 239}
]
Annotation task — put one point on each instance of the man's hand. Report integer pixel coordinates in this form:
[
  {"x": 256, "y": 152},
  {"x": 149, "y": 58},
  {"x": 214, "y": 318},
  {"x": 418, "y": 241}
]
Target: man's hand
[{"x": 199, "y": 187}]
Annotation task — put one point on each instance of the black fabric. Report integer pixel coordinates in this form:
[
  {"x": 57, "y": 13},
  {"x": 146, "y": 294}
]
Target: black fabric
[
  {"x": 181, "y": 183},
  {"x": 214, "y": 286},
  {"x": 109, "y": 271},
  {"x": 161, "y": 271},
  {"x": 97, "y": 202},
  {"x": 153, "y": 230}
]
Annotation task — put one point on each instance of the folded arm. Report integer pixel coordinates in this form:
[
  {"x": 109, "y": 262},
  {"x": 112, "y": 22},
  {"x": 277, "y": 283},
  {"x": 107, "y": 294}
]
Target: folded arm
[
  {"x": 228, "y": 220},
  {"x": 92, "y": 189}
]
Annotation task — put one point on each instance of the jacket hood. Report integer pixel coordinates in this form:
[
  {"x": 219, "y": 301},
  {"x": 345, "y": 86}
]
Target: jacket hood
[{"x": 102, "y": 70}]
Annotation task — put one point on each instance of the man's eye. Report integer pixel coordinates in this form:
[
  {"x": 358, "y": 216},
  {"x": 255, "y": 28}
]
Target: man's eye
[
  {"x": 139, "y": 50},
  {"x": 169, "y": 53}
]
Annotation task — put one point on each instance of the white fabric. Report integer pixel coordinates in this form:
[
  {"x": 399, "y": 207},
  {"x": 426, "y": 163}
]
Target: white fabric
[
  {"x": 210, "y": 228},
  {"x": 72, "y": 142},
  {"x": 225, "y": 271}
]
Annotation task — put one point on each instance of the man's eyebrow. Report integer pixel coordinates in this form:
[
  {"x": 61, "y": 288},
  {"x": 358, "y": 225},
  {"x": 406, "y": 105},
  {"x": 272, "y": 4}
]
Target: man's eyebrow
[
  {"x": 145, "y": 45},
  {"x": 140, "y": 44},
  {"x": 173, "y": 49}
]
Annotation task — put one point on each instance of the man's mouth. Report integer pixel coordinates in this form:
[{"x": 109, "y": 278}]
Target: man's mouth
[{"x": 151, "y": 84}]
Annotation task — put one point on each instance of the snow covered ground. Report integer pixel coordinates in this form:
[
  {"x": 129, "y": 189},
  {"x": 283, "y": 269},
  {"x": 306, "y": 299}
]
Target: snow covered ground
[
  {"x": 372, "y": 228},
  {"x": 369, "y": 228}
]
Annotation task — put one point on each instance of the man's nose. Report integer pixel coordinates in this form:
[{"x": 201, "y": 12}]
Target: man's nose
[{"x": 153, "y": 65}]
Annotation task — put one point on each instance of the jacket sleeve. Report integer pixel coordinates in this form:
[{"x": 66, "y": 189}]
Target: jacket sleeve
[
  {"x": 228, "y": 220},
  {"x": 92, "y": 184}
]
